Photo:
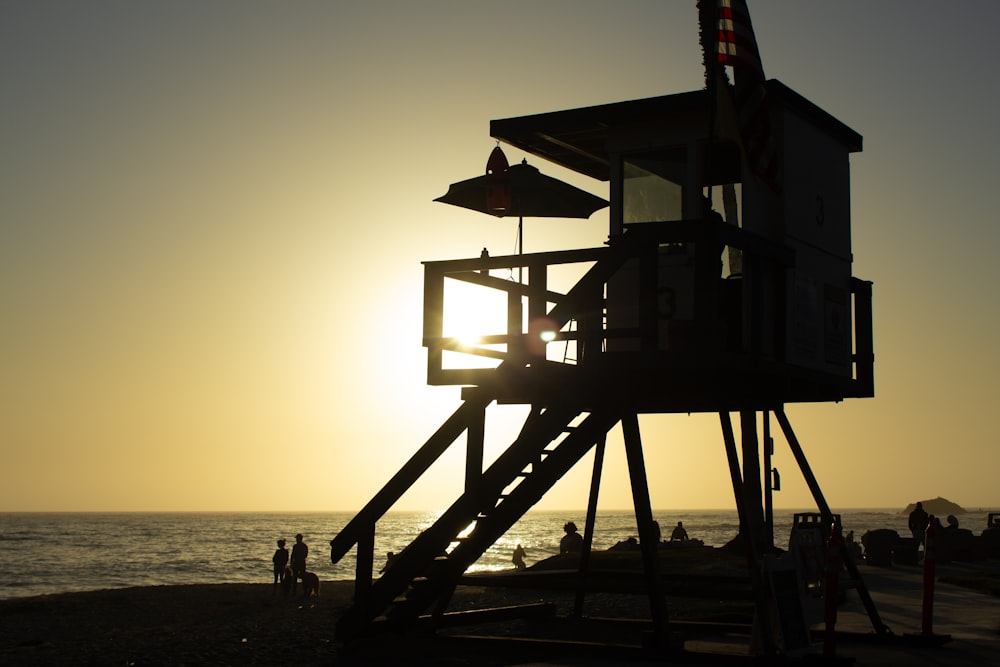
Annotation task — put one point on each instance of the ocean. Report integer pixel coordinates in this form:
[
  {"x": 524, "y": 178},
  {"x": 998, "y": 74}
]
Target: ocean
[{"x": 64, "y": 552}]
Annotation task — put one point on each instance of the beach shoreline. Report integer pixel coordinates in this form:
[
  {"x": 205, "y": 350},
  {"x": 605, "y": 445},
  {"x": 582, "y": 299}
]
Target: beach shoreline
[{"x": 252, "y": 624}]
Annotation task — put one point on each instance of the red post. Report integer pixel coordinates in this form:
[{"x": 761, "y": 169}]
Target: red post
[
  {"x": 831, "y": 590},
  {"x": 930, "y": 557}
]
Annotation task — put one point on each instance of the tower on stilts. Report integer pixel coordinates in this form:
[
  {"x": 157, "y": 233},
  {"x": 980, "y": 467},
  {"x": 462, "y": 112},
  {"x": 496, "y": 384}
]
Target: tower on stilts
[{"x": 715, "y": 292}]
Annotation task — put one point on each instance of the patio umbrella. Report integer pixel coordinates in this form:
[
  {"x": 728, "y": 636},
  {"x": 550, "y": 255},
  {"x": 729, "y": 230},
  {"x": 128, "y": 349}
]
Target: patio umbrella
[{"x": 522, "y": 191}]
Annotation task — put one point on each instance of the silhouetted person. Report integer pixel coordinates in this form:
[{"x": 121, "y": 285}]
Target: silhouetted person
[
  {"x": 572, "y": 541},
  {"x": 300, "y": 550},
  {"x": 280, "y": 560},
  {"x": 390, "y": 558},
  {"x": 679, "y": 534},
  {"x": 657, "y": 535},
  {"x": 938, "y": 528},
  {"x": 518, "y": 558},
  {"x": 918, "y": 522},
  {"x": 853, "y": 548},
  {"x": 952, "y": 523},
  {"x": 485, "y": 254}
]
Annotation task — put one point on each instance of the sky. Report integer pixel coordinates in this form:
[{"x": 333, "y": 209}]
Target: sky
[{"x": 213, "y": 217}]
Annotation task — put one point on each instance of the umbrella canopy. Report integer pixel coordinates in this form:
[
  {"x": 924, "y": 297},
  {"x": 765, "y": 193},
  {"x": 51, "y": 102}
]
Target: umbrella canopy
[{"x": 532, "y": 195}]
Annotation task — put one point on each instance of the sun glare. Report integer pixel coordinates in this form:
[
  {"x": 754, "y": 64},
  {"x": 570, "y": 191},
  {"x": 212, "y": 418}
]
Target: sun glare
[{"x": 471, "y": 311}]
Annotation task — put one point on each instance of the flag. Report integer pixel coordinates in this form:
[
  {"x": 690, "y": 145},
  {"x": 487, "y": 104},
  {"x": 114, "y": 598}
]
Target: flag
[{"x": 737, "y": 48}]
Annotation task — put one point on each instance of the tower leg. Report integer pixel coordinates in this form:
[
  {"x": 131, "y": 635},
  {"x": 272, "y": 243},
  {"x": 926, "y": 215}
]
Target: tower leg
[
  {"x": 763, "y": 618},
  {"x": 768, "y": 504},
  {"x": 824, "y": 510},
  {"x": 644, "y": 520},
  {"x": 752, "y": 492},
  {"x": 588, "y": 531}
]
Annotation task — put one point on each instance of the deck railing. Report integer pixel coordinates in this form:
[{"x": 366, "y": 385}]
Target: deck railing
[{"x": 720, "y": 329}]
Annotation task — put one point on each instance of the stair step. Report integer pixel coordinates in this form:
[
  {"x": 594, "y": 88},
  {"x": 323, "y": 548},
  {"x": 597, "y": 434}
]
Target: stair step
[{"x": 400, "y": 609}]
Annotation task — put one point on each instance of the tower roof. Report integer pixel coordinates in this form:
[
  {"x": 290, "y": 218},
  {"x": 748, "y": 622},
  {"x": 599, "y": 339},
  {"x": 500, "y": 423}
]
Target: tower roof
[{"x": 578, "y": 138}]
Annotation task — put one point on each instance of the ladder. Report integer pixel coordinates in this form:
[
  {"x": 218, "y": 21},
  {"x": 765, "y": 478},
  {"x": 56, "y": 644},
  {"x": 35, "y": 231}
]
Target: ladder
[{"x": 423, "y": 576}]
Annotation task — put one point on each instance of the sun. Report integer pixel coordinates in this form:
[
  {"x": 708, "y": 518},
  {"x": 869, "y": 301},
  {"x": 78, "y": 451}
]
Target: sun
[
  {"x": 472, "y": 311},
  {"x": 475, "y": 317}
]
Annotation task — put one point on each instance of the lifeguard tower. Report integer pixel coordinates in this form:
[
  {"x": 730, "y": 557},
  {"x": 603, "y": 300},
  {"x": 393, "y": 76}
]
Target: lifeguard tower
[{"x": 715, "y": 292}]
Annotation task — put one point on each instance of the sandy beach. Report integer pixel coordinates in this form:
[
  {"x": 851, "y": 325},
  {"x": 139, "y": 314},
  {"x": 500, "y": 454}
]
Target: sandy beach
[
  {"x": 172, "y": 625},
  {"x": 247, "y": 624}
]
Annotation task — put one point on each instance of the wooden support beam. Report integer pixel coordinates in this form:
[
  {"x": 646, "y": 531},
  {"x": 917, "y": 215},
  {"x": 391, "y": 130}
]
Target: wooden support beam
[
  {"x": 768, "y": 500},
  {"x": 763, "y": 617},
  {"x": 474, "y": 437},
  {"x": 644, "y": 520},
  {"x": 588, "y": 530},
  {"x": 864, "y": 353},
  {"x": 824, "y": 510},
  {"x": 364, "y": 566},
  {"x": 515, "y": 326},
  {"x": 537, "y": 308},
  {"x": 753, "y": 495}
]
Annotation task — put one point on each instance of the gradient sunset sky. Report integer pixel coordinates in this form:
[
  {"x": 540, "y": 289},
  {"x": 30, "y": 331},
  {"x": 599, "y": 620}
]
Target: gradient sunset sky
[{"x": 212, "y": 218}]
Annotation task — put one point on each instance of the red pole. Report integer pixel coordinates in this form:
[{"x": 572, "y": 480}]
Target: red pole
[
  {"x": 831, "y": 589},
  {"x": 929, "y": 568}
]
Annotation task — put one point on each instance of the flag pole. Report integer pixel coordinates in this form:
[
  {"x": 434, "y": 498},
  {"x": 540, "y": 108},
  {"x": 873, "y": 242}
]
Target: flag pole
[{"x": 707, "y": 34}]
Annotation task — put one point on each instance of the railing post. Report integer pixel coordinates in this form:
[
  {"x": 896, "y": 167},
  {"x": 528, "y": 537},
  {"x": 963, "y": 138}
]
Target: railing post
[
  {"x": 515, "y": 325},
  {"x": 433, "y": 320},
  {"x": 537, "y": 307},
  {"x": 864, "y": 353}
]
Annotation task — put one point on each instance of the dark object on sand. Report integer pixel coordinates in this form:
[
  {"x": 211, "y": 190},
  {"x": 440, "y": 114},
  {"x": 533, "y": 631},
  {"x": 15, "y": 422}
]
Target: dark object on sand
[
  {"x": 906, "y": 551},
  {"x": 957, "y": 544},
  {"x": 879, "y": 545},
  {"x": 991, "y": 536}
]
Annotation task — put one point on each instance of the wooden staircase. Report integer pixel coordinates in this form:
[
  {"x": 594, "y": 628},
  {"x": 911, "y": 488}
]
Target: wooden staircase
[{"x": 423, "y": 576}]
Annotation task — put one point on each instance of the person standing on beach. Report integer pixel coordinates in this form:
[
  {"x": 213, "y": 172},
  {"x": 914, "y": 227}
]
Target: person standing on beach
[
  {"x": 300, "y": 550},
  {"x": 572, "y": 541},
  {"x": 390, "y": 558},
  {"x": 518, "y": 558},
  {"x": 918, "y": 522},
  {"x": 280, "y": 560}
]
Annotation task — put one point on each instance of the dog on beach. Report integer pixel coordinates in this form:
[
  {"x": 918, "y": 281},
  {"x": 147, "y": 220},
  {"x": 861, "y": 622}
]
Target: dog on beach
[
  {"x": 287, "y": 582},
  {"x": 310, "y": 584}
]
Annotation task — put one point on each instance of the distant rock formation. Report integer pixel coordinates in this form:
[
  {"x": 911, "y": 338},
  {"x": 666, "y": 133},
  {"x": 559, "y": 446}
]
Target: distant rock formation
[{"x": 940, "y": 507}]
